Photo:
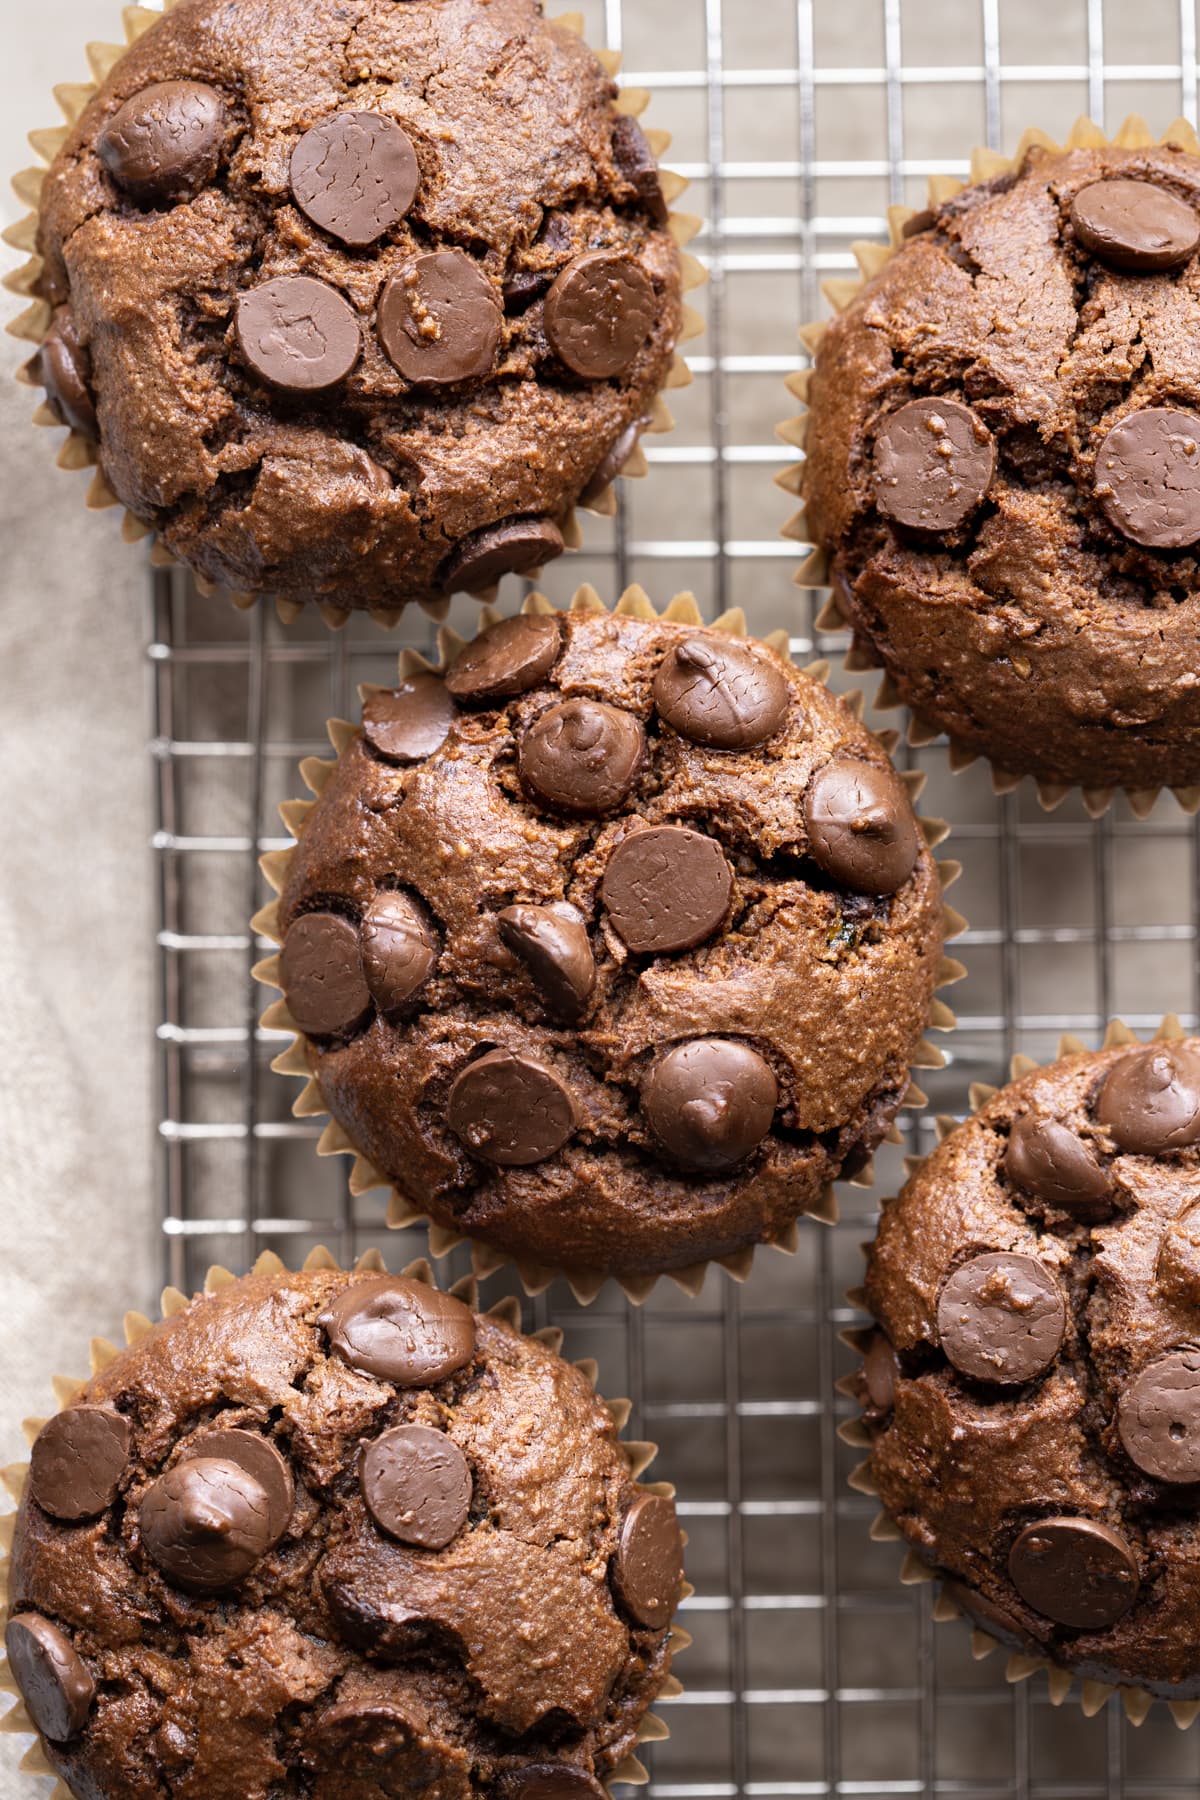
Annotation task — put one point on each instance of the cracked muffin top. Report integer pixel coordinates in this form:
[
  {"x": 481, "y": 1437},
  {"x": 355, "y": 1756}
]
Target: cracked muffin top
[
  {"x": 611, "y": 948},
  {"x": 337, "y": 1536},
  {"x": 358, "y": 298},
  {"x": 1003, "y": 465},
  {"x": 1033, "y": 1390}
]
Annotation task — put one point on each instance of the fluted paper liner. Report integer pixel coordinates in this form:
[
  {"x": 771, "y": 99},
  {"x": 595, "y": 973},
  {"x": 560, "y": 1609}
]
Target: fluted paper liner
[
  {"x": 80, "y": 452},
  {"x": 884, "y": 1530},
  {"x": 1134, "y": 134},
  {"x": 535, "y": 1277},
  {"x": 638, "y": 1457}
]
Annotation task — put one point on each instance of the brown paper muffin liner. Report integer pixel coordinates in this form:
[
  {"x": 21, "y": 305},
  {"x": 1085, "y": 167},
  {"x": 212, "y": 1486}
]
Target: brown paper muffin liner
[
  {"x": 535, "y": 1277},
  {"x": 1134, "y": 134},
  {"x": 1092, "y": 1695},
  {"x": 79, "y": 452},
  {"x": 638, "y": 1457}
]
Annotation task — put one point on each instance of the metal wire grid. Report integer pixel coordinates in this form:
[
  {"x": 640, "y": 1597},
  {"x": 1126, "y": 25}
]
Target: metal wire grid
[{"x": 813, "y": 1671}]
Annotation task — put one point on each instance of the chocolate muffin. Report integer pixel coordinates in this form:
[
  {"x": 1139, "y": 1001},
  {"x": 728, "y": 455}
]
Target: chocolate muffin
[
  {"x": 357, "y": 300},
  {"x": 337, "y": 1535},
  {"x": 1002, "y": 471},
  {"x": 609, "y": 947},
  {"x": 1032, "y": 1385}
]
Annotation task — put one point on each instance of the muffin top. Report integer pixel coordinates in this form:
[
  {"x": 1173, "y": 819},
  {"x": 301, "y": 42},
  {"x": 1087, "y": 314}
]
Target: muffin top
[
  {"x": 611, "y": 948},
  {"x": 1033, "y": 1392},
  {"x": 358, "y": 297},
  {"x": 1004, "y": 466},
  {"x": 335, "y": 1535}
]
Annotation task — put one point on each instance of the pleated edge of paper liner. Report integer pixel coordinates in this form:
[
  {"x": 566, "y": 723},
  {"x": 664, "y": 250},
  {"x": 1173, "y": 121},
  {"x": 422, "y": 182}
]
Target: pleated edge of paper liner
[
  {"x": 79, "y": 452},
  {"x": 841, "y": 292},
  {"x": 638, "y": 1456},
  {"x": 914, "y": 1572},
  {"x": 535, "y": 1277}
]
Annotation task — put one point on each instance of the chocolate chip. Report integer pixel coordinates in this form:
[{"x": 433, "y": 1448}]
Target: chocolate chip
[
  {"x": 1178, "y": 1266},
  {"x": 77, "y": 1461},
  {"x": 557, "y": 952},
  {"x": 399, "y": 950},
  {"x": 710, "y": 1102},
  {"x": 920, "y": 223},
  {"x": 410, "y": 722},
  {"x": 1135, "y": 226},
  {"x": 861, "y": 828},
  {"x": 721, "y": 693},
  {"x": 1150, "y": 1100},
  {"x": 355, "y": 175},
  {"x": 582, "y": 757},
  {"x": 259, "y": 1458},
  {"x": 321, "y": 973},
  {"x": 613, "y": 462},
  {"x": 377, "y": 1742},
  {"x": 165, "y": 143},
  {"x": 1050, "y": 1161},
  {"x": 64, "y": 369},
  {"x": 666, "y": 888},
  {"x": 417, "y": 1486},
  {"x": 636, "y": 165},
  {"x": 1075, "y": 1571},
  {"x": 648, "y": 1566},
  {"x": 599, "y": 313},
  {"x": 298, "y": 334},
  {"x": 1158, "y": 1417},
  {"x": 206, "y": 1523},
  {"x": 934, "y": 462},
  {"x": 513, "y": 547},
  {"x": 510, "y": 1110},
  {"x": 523, "y": 287},
  {"x": 1001, "y": 1317},
  {"x": 439, "y": 319},
  {"x": 55, "y": 1684},
  {"x": 400, "y": 1331},
  {"x": 1148, "y": 477},
  {"x": 881, "y": 1371},
  {"x": 506, "y": 659},
  {"x": 552, "y": 1781}
]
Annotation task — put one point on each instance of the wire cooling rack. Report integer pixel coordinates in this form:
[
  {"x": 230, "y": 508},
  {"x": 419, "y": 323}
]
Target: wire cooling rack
[{"x": 813, "y": 1672}]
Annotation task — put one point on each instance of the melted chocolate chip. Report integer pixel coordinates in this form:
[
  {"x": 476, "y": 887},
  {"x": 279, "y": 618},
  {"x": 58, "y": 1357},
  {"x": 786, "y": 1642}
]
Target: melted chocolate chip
[
  {"x": 557, "y": 952},
  {"x": 513, "y": 547},
  {"x": 636, "y": 165},
  {"x": 666, "y": 888},
  {"x": 506, "y": 659},
  {"x": 377, "y": 1742},
  {"x": 861, "y": 828},
  {"x": 613, "y": 462},
  {"x": 552, "y": 1781},
  {"x": 1178, "y": 1267},
  {"x": 1075, "y": 1571},
  {"x": 408, "y": 723},
  {"x": 648, "y": 1566},
  {"x": 400, "y": 1331},
  {"x": 721, "y": 693},
  {"x": 710, "y": 1102},
  {"x": 1135, "y": 226},
  {"x": 259, "y": 1458},
  {"x": 355, "y": 175},
  {"x": 1158, "y": 1417},
  {"x": 399, "y": 950},
  {"x": 439, "y": 319},
  {"x": 1001, "y": 1317},
  {"x": 321, "y": 973},
  {"x": 165, "y": 142},
  {"x": 934, "y": 462},
  {"x": 582, "y": 757},
  {"x": 881, "y": 1371},
  {"x": 77, "y": 1461},
  {"x": 1148, "y": 477},
  {"x": 64, "y": 368},
  {"x": 599, "y": 313},
  {"x": 206, "y": 1522},
  {"x": 54, "y": 1681},
  {"x": 1050, "y": 1161},
  {"x": 1150, "y": 1100},
  {"x": 298, "y": 334},
  {"x": 510, "y": 1110},
  {"x": 918, "y": 225},
  {"x": 417, "y": 1486}
]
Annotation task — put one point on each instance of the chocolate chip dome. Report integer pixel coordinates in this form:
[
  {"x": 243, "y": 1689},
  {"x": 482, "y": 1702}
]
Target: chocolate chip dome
[
  {"x": 363, "y": 1541},
  {"x": 685, "y": 933},
  {"x": 1032, "y": 1386},
  {"x": 1003, "y": 467},
  {"x": 356, "y": 300}
]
